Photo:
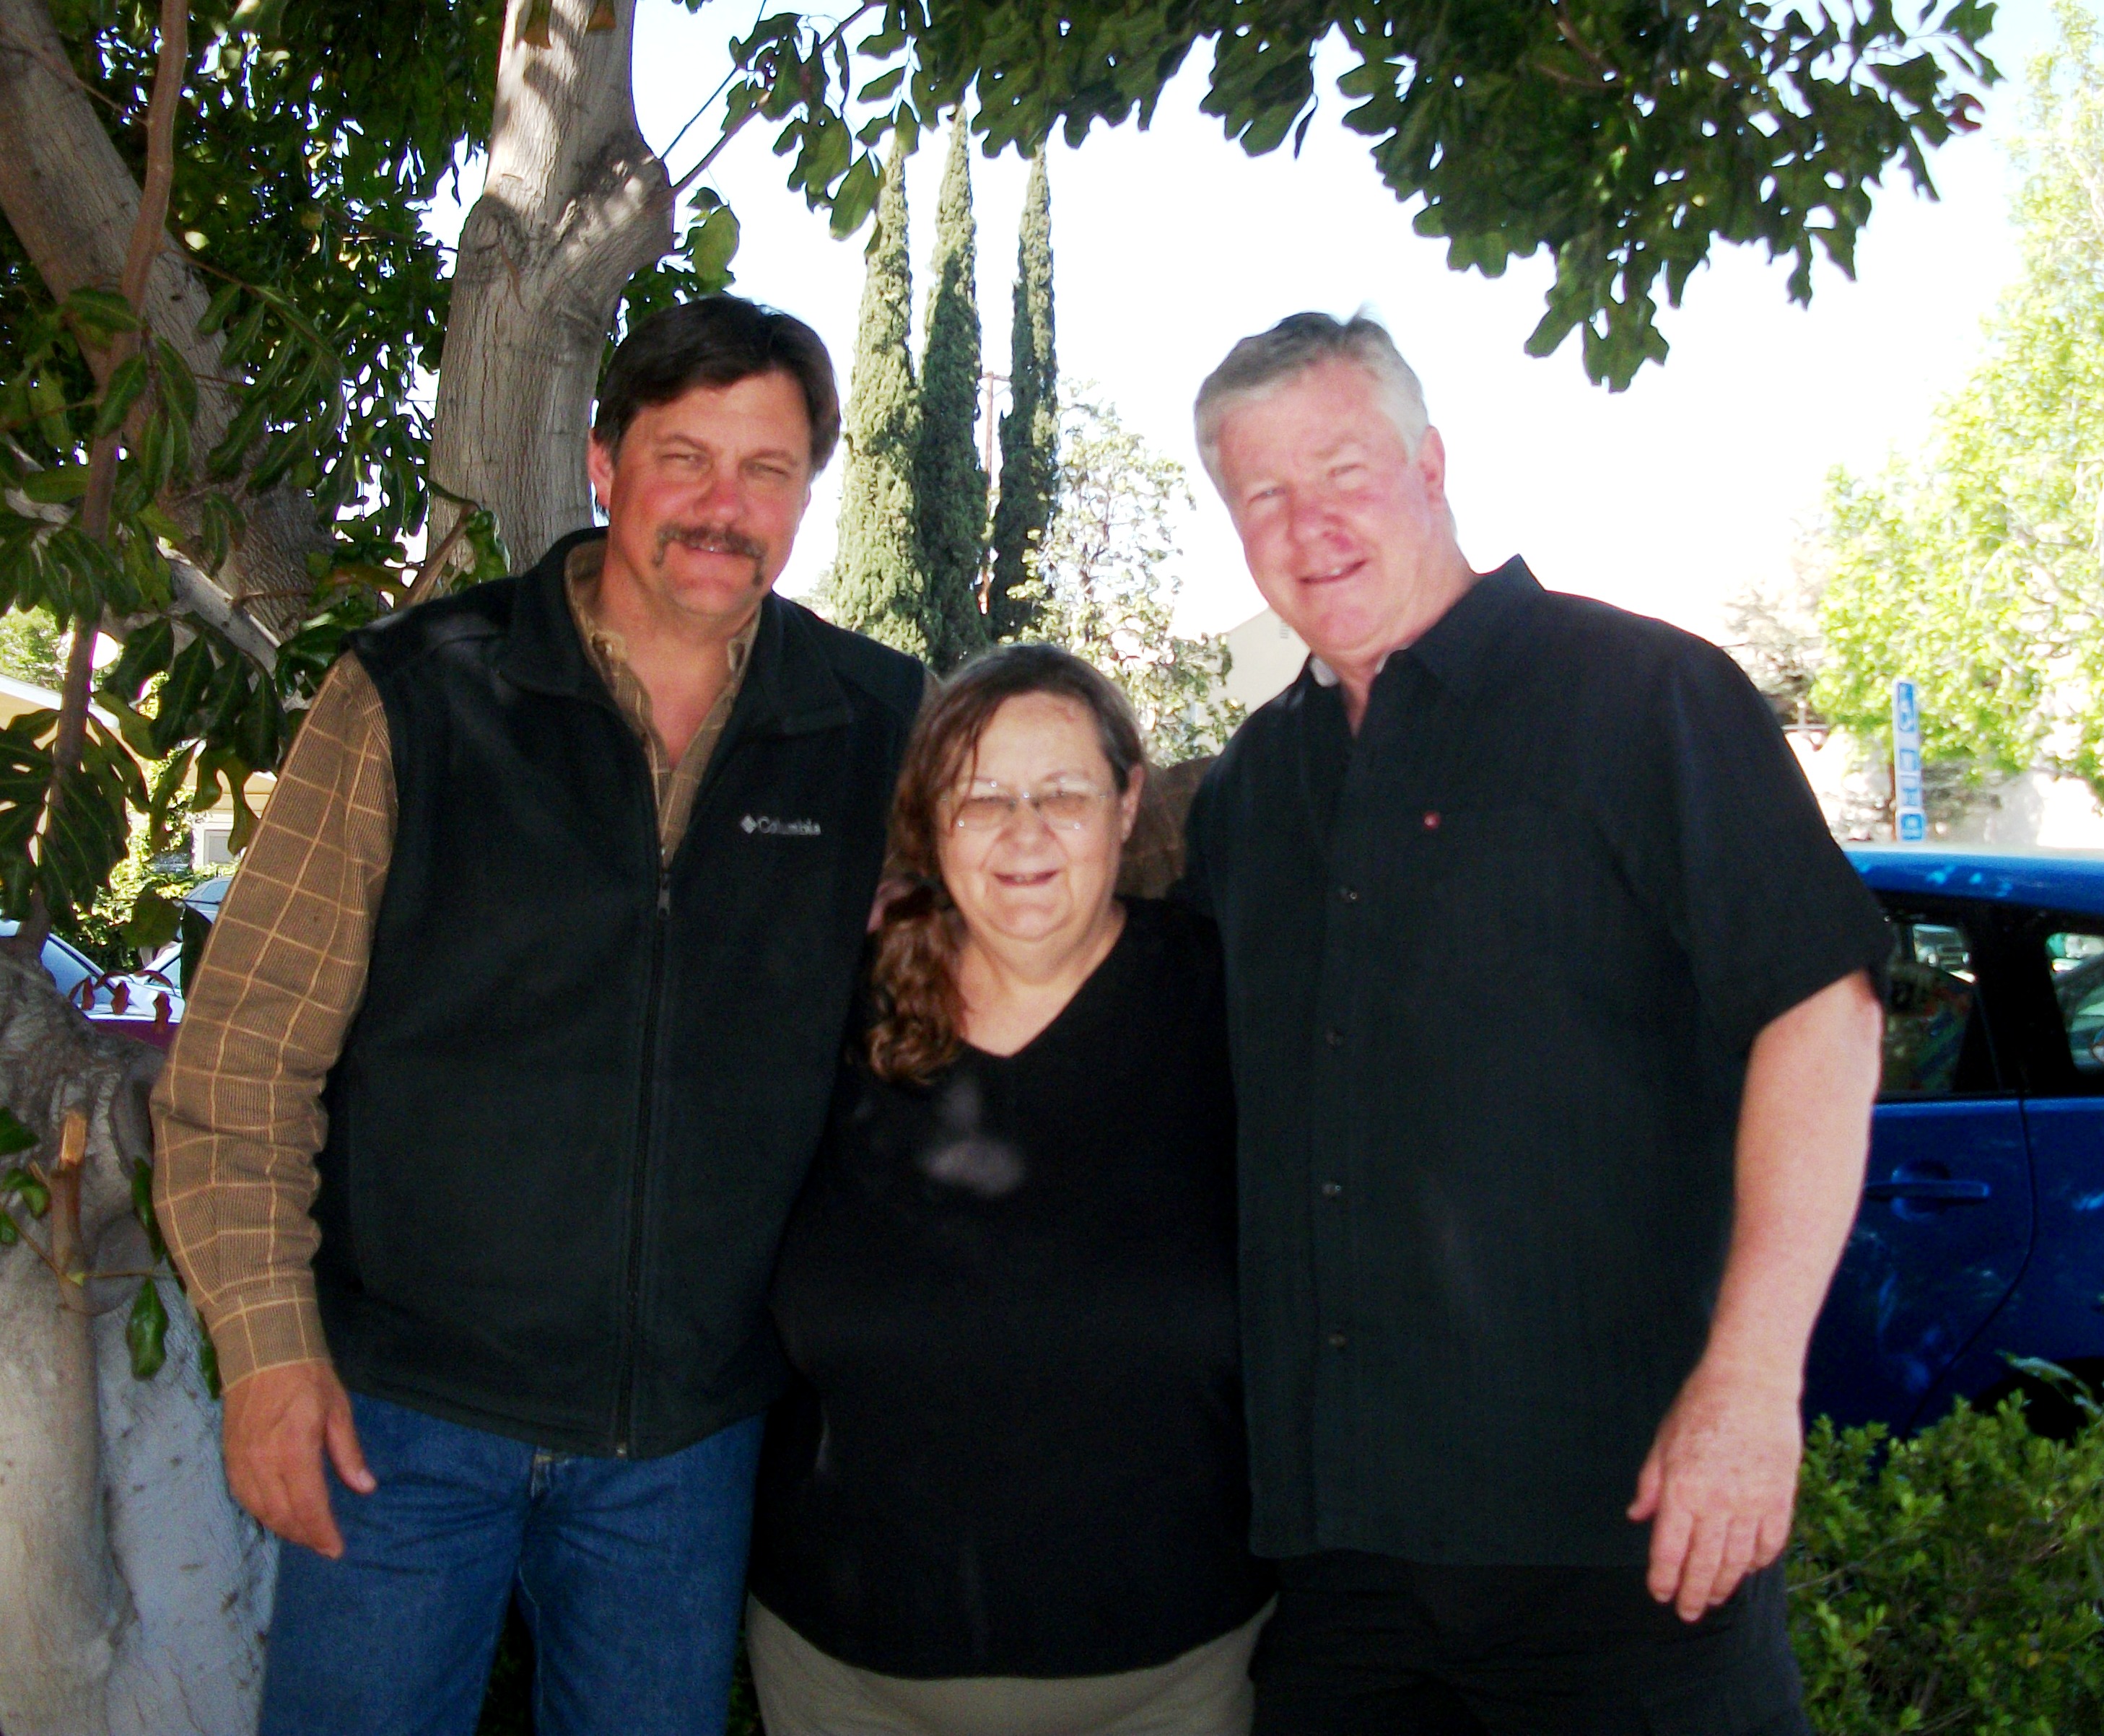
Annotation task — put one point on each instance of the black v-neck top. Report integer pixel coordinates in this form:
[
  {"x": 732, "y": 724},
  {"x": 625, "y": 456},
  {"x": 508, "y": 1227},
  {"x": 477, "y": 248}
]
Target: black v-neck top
[{"x": 1014, "y": 1444}]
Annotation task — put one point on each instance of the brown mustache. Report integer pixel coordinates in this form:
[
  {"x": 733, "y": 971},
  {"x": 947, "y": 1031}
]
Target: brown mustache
[{"x": 717, "y": 539}]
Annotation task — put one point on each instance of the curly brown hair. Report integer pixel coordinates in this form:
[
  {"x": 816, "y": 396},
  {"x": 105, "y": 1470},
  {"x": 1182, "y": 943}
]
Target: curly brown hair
[{"x": 919, "y": 1008}]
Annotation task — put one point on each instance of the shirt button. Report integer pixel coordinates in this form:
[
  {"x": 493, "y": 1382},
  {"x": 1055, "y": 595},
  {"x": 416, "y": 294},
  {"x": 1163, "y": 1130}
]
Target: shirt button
[
  {"x": 1348, "y": 895},
  {"x": 1333, "y": 1037},
  {"x": 1337, "y": 1340},
  {"x": 1331, "y": 1189}
]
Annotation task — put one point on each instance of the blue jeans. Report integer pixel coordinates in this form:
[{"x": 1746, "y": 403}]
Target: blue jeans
[{"x": 630, "y": 1571}]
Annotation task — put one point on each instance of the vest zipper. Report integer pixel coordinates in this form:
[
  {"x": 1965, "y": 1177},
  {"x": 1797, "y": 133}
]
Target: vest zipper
[{"x": 624, "y": 1410}]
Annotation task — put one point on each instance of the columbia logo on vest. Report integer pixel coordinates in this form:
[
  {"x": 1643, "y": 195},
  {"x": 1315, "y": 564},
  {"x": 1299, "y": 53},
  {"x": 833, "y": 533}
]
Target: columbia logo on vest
[{"x": 768, "y": 827}]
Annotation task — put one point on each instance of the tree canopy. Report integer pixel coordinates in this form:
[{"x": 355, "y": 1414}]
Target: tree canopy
[
  {"x": 1622, "y": 137},
  {"x": 1030, "y": 426},
  {"x": 878, "y": 585},
  {"x": 950, "y": 480},
  {"x": 1977, "y": 565},
  {"x": 258, "y": 402},
  {"x": 1102, "y": 587}
]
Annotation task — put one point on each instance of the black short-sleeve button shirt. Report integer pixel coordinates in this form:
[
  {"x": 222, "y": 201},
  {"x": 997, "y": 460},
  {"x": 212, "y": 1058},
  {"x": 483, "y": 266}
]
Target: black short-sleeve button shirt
[{"x": 1493, "y": 966}]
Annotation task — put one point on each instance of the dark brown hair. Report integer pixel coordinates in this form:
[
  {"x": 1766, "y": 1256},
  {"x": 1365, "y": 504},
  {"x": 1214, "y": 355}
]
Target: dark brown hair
[
  {"x": 913, "y": 976},
  {"x": 717, "y": 340}
]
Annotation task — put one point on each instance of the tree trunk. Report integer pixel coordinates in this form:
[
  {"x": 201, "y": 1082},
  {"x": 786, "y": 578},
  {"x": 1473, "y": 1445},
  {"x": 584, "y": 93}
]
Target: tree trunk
[
  {"x": 574, "y": 205},
  {"x": 72, "y": 203},
  {"x": 133, "y": 1592},
  {"x": 63, "y": 1598}
]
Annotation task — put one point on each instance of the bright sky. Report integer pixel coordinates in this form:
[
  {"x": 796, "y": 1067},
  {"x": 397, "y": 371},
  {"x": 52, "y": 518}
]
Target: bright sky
[{"x": 1170, "y": 244}]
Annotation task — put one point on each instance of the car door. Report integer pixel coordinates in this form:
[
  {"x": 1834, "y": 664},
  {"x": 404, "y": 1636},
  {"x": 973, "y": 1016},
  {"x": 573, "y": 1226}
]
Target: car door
[
  {"x": 2058, "y": 1312},
  {"x": 1944, "y": 1226}
]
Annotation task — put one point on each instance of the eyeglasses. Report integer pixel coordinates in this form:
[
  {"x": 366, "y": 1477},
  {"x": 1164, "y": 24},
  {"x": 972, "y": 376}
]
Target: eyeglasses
[{"x": 1063, "y": 809}]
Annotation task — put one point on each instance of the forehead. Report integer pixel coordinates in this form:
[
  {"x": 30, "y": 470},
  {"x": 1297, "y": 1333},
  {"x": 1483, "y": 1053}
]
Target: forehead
[
  {"x": 762, "y": 410},
  {"x": 1034, "y": 735},
  {"x": 1310, "y": 414}
]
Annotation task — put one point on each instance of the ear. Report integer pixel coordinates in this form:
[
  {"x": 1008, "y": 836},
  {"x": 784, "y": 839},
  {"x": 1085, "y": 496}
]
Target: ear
[
  {"x": 1431, "y": 462},
  {"x": 1129, "y": 802},
  {"x": 598, "y": 466}
]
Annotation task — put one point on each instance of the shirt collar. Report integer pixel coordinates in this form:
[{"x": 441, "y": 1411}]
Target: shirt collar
[{"x": 1451, "y": 650}]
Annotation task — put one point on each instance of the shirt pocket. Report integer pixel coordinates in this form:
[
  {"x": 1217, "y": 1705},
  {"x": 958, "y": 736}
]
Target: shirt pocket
[{"x": 1495, "y": 882}]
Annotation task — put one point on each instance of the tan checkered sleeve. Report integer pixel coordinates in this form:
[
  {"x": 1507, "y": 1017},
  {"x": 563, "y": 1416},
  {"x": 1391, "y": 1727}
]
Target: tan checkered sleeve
[{"x": 237, "y": 1116}]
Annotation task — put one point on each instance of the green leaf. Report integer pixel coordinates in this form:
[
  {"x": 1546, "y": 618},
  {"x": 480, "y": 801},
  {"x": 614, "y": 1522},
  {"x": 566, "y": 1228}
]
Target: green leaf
[
  {"x": 47, "y": 399},
  {"x": 220, "y": 522},
  {"x": 221, "y": 305},
  {"x": 712, "y": 248},
  {"x": 98, "y": 314},
  {"x": 857, "y": 195},
  {"x": 14, "y": 1137},
  {"x": 178, "y": 385},
  {"x": 262, "y": 19},
  {"x": 19, "y": 1184},
  {"x": 225, "y": 458},
  {"x": 146, "y": 653},
  {"x": 153, "y": 921},
  {"x": 146, "y": 1332},
  {"x": 55, "y": 486},
  {"x": 127, "y": 380},
  {"x": 142, "y": 1208},
  {"x": 244, "y": 334}
]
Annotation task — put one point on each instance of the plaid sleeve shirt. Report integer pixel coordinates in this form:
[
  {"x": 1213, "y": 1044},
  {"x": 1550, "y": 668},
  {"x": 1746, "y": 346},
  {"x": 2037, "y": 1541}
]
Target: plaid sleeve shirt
[{"x": 237, "y": 1114}]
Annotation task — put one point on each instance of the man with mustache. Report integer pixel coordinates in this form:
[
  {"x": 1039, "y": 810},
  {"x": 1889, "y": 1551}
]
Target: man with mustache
[{"x": 514, "y": 1038}]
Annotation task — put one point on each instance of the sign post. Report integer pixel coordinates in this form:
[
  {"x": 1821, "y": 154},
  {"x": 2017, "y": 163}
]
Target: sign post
[{"x": 1909, "y": 815}]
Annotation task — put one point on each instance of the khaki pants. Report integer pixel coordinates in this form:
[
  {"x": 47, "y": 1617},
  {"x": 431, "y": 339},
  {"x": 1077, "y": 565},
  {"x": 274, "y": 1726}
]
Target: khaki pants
[{"x": 805, "y": 1692}]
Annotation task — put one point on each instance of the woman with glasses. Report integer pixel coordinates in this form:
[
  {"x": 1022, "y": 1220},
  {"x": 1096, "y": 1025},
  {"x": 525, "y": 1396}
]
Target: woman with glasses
[{"x": 1007, "y": 1491}]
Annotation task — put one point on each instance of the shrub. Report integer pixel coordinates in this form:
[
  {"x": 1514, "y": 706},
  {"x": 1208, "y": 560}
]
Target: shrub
[{"x": 1953, "y": 1581}]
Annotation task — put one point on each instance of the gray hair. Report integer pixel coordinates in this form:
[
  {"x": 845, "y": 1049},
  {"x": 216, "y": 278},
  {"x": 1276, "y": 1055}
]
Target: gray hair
[{"x": 1258, "y": 366}]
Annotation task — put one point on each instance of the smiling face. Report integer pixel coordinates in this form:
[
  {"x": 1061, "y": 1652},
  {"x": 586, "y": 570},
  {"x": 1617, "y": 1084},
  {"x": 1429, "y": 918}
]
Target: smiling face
[
  {"x": 1346, "y": 530},
  {"x": 703, "y": 497},
  {"x": 1025, "y": 880}
]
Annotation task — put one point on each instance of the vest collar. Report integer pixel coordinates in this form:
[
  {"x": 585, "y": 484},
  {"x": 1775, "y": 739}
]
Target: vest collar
[{"x": 789, "y": 688}]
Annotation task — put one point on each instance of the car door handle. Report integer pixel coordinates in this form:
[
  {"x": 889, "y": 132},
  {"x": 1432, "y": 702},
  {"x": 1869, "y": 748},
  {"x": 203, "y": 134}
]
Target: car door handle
[{"x": 1948, "y": 1189}]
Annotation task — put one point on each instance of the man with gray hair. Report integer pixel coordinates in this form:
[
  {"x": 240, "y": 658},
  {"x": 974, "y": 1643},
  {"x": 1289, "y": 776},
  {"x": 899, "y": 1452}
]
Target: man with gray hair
[{"x": 1556, "y": 1027}]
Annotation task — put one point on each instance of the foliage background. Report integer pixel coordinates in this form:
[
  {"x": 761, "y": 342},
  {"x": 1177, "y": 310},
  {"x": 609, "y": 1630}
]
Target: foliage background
[
  {"x": 1973, "y": 565},
  {"x": 1102, "y": 587},
  {"x": 1953, "y": 1581}
]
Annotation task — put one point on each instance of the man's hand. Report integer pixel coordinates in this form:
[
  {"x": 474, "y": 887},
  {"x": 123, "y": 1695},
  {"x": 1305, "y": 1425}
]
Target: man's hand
[
  {"x": 1721, "y": 1478},
  {"x": 278, "y": 1422},
  {"x": 1719, "y": 1484}
]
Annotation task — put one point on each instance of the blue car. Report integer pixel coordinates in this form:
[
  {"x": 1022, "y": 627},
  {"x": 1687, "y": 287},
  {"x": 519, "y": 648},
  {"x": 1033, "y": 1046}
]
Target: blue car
[{"x": 1980, "y": 1234}]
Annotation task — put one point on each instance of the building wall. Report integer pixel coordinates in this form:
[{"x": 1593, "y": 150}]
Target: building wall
[
  {"x": 2036, "y": 808},
  {"x": 1267, "y": 658}
]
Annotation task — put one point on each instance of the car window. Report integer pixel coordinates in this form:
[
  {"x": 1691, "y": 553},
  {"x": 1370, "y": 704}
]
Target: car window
[
  {"x": 2077, "y": 961},
  {"x": 1935, "y": 1042},
  {"x": 67, "y": 967}
]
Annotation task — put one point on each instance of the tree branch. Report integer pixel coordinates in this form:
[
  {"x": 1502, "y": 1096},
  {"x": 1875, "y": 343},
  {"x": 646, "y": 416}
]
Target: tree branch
[
  {"x": 68, "y": 1258},
  {"x": 713, "y": 153},
  {"x": 145, "y": 243},
  {"x": 716, "y": 150}
]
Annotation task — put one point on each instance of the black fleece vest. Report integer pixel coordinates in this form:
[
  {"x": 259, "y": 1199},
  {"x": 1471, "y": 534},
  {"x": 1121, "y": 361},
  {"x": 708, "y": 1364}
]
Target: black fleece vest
[{"x": 569, "y": 1120}]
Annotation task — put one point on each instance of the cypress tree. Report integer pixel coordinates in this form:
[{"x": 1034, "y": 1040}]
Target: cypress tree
[
  {"x": 877, "y": 585},
  {"x": 1030, "y": 429},
  {"x": 951, "y": 482}
]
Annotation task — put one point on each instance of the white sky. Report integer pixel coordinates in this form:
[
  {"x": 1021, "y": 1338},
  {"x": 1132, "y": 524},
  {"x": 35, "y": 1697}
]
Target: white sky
[{"x": 1170, "y": 244}]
